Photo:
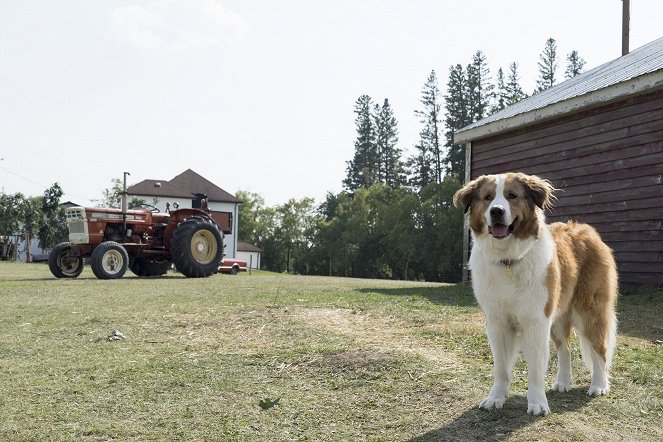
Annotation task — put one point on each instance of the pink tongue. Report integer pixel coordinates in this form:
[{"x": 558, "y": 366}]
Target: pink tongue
[{"x": 498, "y": 230}]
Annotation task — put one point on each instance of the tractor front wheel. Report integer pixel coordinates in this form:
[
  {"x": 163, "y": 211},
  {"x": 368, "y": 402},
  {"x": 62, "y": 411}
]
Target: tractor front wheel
[
  {"x": 196, "y": 247},
  {"x": 109, "y": 260},
  {"x": 63, "y": 263}
]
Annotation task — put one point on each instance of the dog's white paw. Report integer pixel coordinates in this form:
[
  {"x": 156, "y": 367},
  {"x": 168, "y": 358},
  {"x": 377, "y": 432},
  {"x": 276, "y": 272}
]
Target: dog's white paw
[
  {"x": 561, "y": 386},
  {"x": 538, "y": 409},
  {"x": 598, "y": 390},
  {"x": 492, "y": 403}
]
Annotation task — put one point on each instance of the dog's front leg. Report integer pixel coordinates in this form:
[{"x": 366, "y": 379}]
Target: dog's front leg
[
  {"x": 502, "y": 339},
  {"x": 537, "y": 348}
]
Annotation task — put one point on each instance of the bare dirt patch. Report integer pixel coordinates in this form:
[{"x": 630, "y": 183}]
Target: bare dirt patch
[{"x": 383, "y": 333}]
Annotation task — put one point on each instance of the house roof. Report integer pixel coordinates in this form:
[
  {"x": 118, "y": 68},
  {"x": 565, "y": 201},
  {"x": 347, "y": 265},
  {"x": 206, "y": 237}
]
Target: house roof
[
  {"x": 158, "y": 188},
  {"x": 637, "y": 72},
  {"x": 246, "y": 247},
  {"x": 195, "y": 183},
  {"x": 184, "y": 185}
]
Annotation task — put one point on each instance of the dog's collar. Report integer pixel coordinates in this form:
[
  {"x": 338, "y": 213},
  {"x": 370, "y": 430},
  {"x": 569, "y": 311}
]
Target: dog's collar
[{"x": 508, "y": 263}]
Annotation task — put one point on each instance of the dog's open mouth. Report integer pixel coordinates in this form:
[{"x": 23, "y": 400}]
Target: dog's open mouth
[{"x": 500, "y": 231}]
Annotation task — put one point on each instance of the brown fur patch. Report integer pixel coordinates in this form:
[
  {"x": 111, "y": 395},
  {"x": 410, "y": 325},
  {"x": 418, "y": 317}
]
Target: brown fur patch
[
  {"x": 473, "y": 197},
  {"x": 585, "y": 279},
  {"x": 523, "y": 207}
]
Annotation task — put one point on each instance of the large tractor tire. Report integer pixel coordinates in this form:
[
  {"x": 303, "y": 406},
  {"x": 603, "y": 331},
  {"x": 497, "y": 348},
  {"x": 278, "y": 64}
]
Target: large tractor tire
[
  {"x": 149, "y": 267},
  {"x": 109, "y": 260},
  {"x": 62, "y": 263},
  {"x": 196, "y": 247}
]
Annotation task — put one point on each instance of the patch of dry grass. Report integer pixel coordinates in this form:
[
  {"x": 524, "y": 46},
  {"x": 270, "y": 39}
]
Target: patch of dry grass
[{"x": 278, "y": 357}]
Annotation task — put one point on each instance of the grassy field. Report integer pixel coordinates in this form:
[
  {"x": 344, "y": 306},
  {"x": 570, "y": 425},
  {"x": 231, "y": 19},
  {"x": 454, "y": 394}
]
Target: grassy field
[{"x": 277, "y": 357}]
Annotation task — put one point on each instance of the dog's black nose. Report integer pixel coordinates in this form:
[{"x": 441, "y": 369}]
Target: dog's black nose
[{"x": 496, "y": 212}]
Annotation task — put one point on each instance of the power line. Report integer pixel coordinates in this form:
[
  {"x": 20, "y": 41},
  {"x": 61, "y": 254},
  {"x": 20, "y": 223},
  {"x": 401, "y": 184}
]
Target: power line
[{"x": 39, "y": 184}]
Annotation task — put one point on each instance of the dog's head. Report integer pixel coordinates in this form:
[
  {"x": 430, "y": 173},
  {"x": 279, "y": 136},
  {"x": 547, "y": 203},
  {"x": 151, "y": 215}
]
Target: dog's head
[{"x": 506, "y": 204}]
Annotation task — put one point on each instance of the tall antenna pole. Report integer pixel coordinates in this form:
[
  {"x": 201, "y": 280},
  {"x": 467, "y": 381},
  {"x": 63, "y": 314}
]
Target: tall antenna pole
[
  {"x": 626, "y": 19},
  {"x": 124, "y": 203}
]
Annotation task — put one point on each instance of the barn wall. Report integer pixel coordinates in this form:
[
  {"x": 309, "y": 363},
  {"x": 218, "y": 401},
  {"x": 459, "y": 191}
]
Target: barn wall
[{"x": 609, "y": 164}]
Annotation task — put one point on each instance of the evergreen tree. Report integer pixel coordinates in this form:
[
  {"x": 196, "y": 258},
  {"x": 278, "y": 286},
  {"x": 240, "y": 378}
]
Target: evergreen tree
[
  {"x": 501, "y": 93},
  {"x": 574, "y": 65},
  {"x": 514, "y": 93},
  {"x": 547, "y": 66},
  {"x": 390, "y": 166},
  {"x": 363, "y": 168},
  {"x": 420, "y": 166},
  {"x": 429, "y": 136},
  {"x": 479, "y": 88},
  {"x": 456, "y": 117}
]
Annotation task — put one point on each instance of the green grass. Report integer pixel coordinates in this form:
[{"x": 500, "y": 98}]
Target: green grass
[{"x": 328, "y": 358}]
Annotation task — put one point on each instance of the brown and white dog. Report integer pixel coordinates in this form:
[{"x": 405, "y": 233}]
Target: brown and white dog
[{"x": 534, "y": 280}]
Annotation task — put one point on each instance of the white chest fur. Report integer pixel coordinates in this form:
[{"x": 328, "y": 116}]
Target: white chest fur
[{"x": 510, "y": 275}]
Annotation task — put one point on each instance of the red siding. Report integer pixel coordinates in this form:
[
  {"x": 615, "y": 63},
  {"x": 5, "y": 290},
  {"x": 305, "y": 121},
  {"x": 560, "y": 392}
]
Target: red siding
[
  {"x": 224, "y": 220},
  {"x": 608, "y": 163}
]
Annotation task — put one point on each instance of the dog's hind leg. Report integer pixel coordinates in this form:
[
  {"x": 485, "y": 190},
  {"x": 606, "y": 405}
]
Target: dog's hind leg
[
  {"x": 561, "y": 334},
  {"x": 602, "y": 336},
  {"x": 598, "y": 334},
  {"x": 503, "y": 344}
]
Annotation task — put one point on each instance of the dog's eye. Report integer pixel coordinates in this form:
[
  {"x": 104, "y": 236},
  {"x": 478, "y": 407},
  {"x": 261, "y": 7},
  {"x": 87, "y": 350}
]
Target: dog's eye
[
  {"x": 512, "y": 196},
  {"x": 488, "y": 197}
]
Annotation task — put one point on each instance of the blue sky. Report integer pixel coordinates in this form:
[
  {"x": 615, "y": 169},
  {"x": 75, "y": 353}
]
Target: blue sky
[{"x": 254, "y": 95}]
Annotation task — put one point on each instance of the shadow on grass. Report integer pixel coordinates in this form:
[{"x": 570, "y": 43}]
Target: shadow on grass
[
  {"x": 457, "y": 295},
  {"x": 476, "y": 424},
  {"x": 639, "y": 315}
]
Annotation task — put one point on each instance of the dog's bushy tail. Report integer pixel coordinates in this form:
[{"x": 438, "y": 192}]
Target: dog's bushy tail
[{"x": 588, "y": 352}]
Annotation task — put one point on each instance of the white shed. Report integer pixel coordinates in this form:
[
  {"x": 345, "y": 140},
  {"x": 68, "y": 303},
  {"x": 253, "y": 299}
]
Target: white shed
[{"x": 249, "y": 253}]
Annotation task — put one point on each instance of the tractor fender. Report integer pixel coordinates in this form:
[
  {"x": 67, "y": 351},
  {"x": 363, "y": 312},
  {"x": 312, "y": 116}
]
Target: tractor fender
[{"x": 176, "y": 218}]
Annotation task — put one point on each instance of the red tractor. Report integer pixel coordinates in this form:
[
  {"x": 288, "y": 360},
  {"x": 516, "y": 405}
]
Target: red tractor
[{"x": 143, "y": 240}]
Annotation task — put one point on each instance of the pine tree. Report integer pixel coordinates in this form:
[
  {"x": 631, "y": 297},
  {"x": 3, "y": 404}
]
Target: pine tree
[
  {"x": 501, "y": 93},
  {"x": 574, "y": 65},
  {"x": 390, "y": 165},
  {"x": 362, "y": 170},
  {"x": 419, "y": 165},
  {"x": 456, "y": 117},
  {"x": 480, "y": 90},
  {"x": 514, "y": 93},
  {"x": 547, "y": 66},
  {"x": 430, "y": 118}
]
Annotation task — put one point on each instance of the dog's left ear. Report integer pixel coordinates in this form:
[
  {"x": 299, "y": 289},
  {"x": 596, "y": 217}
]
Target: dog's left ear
[
  {"x": 465, "y": 195},
  {"x": 541, "y": 190}
]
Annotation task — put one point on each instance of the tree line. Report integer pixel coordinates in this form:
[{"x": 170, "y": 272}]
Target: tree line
[
  {"x": 29, "y": 218},
  {"x": 394, "y": 217}
]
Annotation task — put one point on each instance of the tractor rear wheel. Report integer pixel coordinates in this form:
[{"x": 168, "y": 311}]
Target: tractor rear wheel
[
  {"x": 63, "y": 263},
  {"x": 109, "y": 260},
  {"x": 149, "y": 267},
  {"x": 196, "y": 247}
]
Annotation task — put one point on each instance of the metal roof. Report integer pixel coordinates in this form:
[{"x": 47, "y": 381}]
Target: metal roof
[{"x": 636, "y": 72}]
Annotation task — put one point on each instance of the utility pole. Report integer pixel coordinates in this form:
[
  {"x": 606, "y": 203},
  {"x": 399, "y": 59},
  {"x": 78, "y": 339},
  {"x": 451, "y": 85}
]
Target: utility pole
[
  {"x": 124, "y": 203},
  {"x": 626, "y": 19}
]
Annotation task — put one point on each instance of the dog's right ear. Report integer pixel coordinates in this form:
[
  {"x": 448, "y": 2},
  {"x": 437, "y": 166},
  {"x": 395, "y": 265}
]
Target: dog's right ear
[{"x": 465, "y": 196}]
